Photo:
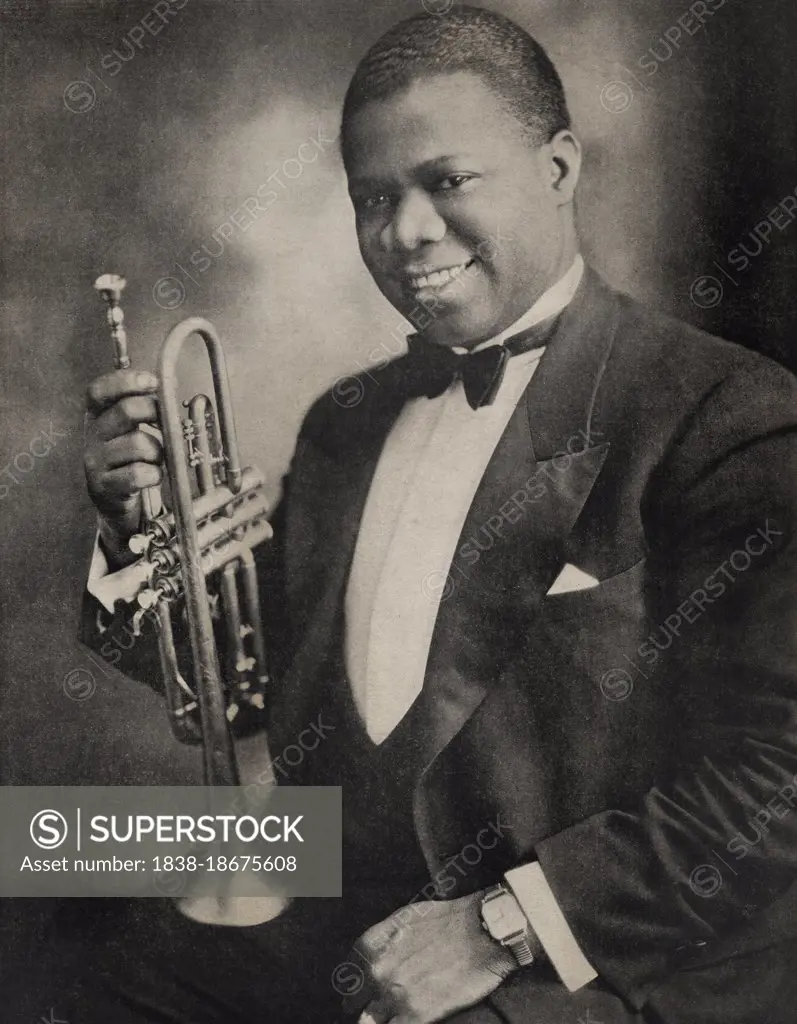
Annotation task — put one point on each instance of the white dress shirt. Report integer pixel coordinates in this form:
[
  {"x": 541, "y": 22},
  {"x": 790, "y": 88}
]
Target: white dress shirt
[{"x": 426, "y": 479}]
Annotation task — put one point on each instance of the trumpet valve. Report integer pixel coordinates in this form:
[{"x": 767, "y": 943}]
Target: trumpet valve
[
  {"x": 164, "y": 559},
  {"x": 148, "y": 598},
  {"x": 167, "y": 587},
  {"x": 157, "y": 532},
  {"x": 161, "y": 530},
  {"x": 139, "y": 543}
]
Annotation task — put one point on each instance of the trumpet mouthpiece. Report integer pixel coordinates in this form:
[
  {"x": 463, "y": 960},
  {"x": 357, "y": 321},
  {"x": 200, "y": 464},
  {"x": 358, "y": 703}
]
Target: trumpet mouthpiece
[
  {"x": 112, "y": 284},
  {"x": 110, "y": 287}
]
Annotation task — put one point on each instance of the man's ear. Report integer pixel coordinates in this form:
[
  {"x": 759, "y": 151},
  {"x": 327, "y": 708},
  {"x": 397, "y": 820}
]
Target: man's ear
[{"x": 563, "y": 156}]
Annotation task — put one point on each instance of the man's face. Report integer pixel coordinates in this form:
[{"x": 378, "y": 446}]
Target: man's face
[{"x": 457, "y": 218}]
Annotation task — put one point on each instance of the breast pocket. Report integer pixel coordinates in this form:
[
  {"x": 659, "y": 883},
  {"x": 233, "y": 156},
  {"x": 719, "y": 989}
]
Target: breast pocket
[
  {"x": 599, "y": 629},
  {"x": 626, "y": 590}
]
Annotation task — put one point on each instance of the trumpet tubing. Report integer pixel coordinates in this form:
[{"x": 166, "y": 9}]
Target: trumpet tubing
[
  {"x": 217, "y": 513},
  {"x": 200, "y": 550}
]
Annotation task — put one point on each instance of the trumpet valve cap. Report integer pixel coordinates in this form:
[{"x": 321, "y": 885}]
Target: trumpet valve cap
[
  {"x": 139, "y": 543},
  {"x": 148, "y": 598}
]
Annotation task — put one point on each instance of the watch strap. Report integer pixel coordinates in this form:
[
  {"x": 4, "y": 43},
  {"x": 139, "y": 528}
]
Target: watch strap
[{"x": 522, "y": 951}]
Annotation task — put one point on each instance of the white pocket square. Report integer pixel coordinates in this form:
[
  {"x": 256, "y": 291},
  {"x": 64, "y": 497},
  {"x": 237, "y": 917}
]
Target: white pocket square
[{"x": 572, "y": 578}]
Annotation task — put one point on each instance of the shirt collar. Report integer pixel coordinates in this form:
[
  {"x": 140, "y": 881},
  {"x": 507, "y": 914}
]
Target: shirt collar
[{"x": 548, "y": 305}]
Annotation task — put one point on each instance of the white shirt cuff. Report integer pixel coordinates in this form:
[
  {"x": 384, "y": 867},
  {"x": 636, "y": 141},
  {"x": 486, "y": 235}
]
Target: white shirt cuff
[
  {"x": 531, "y": 889},
  {"x": 109, "y": 587}
]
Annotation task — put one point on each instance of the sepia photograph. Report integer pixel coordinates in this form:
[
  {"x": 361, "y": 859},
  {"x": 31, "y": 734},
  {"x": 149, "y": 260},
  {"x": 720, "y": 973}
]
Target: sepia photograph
[{"x": 399, "y": 503}]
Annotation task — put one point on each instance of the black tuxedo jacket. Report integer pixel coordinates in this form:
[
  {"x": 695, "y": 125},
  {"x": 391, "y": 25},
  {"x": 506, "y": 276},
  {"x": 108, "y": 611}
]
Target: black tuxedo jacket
[{"x": 638, "y": 738}]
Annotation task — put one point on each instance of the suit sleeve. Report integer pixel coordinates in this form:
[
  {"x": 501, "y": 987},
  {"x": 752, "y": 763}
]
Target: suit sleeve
[{"x": 714, "y": 843}]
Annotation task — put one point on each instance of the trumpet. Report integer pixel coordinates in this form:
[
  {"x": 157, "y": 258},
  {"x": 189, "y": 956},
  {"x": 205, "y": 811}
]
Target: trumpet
[{"x": 201, "y": 550}]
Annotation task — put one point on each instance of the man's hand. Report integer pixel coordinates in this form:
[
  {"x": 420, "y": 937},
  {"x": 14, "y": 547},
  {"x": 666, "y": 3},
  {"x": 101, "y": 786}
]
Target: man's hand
[
  {"x": 427, "y": 961},
  {"x": 120, "y": 459}
]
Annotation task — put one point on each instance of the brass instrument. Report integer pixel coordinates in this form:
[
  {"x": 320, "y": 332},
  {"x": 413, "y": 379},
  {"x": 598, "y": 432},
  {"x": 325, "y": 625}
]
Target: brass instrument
[{"x": 201, "y": 549}]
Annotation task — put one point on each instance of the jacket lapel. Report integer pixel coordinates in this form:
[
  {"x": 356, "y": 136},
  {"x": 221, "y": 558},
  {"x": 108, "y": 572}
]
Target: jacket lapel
[
  {"x": 561, "y": 398},
  {"x": 513, "y": 542},
  {"x": 337, "y": 474}
]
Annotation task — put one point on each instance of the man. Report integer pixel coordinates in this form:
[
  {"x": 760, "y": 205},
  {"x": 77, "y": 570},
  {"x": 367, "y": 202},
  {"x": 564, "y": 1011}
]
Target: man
[{"x": 537, "y": 578}]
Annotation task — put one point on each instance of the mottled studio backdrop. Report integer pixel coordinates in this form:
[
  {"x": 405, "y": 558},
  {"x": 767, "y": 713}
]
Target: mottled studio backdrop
[{"x": 192, "y": 147}]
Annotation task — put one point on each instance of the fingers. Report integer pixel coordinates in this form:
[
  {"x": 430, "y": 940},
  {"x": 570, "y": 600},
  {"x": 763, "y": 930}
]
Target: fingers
[
  {"x": 372, "y": 1018},
  {"x": 121, "y": 455},
  {"x": 380, "y": 936},
  {"x": 379, "y": 1011},
  {"x": 135, "y": 447},
  {"x": 377, "y": 947},
  {"x": 130, "y": 479},
  {"x": 124, "y": 416},
  {"x": 105, "y": 391},
  {"x": 356, "y": 1001},
  {"x": 122, "y": 466},
  {"x": 130, "y": 448}
]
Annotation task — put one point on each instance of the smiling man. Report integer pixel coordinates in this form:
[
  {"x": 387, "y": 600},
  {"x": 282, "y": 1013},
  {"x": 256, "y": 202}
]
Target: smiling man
[
  {"x": 469, "y": 570},
  {"x": 438, "y": 165}
]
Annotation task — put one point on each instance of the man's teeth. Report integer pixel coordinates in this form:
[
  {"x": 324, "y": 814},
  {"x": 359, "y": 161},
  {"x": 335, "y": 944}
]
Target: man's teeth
[{"x": 438, "y": 277}]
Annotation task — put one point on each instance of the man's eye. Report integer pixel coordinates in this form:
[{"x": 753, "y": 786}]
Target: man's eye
[
  {"x": 453, "y": 181},
  {"x": 375, "y": 201}
]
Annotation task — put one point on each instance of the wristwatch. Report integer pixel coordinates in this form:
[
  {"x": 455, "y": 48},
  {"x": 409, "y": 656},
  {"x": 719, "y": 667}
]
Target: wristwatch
[{"x": 504, "y": 920}]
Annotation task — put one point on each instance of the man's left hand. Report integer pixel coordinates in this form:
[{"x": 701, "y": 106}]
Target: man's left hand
[{"x": 426, "y": 962}]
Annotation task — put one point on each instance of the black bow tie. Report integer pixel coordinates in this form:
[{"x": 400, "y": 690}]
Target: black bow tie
[{"x": 430, "y": 368}]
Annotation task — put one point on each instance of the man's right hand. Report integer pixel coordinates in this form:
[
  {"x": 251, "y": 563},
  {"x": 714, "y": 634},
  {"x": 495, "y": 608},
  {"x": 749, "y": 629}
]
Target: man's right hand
[{"x": 120, "y": 459}]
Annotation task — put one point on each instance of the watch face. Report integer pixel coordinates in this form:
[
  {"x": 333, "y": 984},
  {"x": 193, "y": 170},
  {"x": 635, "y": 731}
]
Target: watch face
[{"x": 503, "y": 918}]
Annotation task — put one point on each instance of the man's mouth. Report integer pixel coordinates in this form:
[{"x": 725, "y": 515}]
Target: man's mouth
[{"x": 438, "y": 278}]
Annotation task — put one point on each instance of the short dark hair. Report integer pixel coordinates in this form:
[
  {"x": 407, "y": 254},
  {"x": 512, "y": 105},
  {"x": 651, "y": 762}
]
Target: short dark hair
[{"x": 511, "y": 63}]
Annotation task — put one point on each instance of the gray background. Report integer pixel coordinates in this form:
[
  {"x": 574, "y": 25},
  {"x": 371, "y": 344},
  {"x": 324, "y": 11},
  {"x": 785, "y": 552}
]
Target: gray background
[{"x": 180, "y": 137}]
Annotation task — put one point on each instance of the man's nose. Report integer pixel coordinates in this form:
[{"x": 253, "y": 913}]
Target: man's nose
[{"x": 415, "y": 221}]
